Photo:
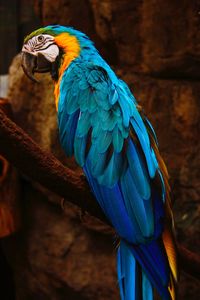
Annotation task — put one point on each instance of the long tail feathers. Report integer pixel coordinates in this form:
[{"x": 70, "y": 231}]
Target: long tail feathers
[
  {"x": 136, "y": 279},
  {"x": 133, "y": 282}
]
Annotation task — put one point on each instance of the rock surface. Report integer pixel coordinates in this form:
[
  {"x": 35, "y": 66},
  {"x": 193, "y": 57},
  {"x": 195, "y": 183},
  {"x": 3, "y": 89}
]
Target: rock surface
[
  {"x": 155, "y": 37},
  {"x": 154, "y": 47}
]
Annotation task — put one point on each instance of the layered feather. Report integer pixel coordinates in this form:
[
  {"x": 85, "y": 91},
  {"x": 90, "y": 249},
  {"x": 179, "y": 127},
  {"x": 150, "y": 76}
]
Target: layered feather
[{"x": 100, "y": 124}]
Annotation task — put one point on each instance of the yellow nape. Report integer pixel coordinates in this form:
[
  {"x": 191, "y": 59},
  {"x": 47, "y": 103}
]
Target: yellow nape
[{"x": 71, "y": 50}]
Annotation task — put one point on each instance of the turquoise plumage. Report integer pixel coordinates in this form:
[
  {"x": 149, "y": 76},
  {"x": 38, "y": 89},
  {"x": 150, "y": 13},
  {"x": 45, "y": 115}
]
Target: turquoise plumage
[{"x": 100, "y": 124}]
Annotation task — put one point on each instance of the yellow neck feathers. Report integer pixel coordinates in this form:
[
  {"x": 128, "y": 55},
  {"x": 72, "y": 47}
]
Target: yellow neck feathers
[{"x": 71, "y": 48}]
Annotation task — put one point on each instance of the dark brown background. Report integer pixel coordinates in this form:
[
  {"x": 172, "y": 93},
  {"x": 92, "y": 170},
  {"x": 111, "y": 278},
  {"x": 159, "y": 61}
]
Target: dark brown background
[{"x": 154, "y": 46}]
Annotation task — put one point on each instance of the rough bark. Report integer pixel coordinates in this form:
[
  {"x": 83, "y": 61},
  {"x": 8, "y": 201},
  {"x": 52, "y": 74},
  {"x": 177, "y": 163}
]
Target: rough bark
[{"x": 9, "y": 189}]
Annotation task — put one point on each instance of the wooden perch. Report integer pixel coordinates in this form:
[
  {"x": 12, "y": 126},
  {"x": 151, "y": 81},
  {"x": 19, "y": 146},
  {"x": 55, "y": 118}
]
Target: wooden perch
[
  {"x": 4, "y": 166},
  {"x": 9, "y": 190},
  {"x": 18, "y": 148}
]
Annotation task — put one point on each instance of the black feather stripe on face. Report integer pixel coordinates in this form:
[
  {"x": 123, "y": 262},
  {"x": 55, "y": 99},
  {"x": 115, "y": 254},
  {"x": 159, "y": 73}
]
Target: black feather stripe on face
[{"x": 39, "y": 47}]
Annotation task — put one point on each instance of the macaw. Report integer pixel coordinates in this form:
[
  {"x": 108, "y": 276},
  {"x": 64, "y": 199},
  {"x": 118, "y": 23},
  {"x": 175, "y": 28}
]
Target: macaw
[{"x": 103, "y": 127}]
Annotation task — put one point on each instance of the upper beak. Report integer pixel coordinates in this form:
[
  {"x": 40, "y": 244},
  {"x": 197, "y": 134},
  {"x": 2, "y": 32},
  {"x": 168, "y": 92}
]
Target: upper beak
[
  {"x": 29, "y": 63},
  {"x": 32, "y": 63}
]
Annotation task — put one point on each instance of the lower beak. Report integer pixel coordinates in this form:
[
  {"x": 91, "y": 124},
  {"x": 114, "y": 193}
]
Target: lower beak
[{"x": 32, "y": 63}]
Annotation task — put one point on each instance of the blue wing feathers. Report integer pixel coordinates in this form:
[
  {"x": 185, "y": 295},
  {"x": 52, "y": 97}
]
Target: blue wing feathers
[
  {"x": 80, "y": 149},
  {"x": 138, "y": 171},
  {"x": 68, "y": 125},
  {"x": 117, "y": 139},
  {"x": 113, "y": 170},
  {"x": 144, "y": 142},
  {"x": 135, "y": 203},
  {"x": 103, "y": 141},
  {"x": 113, "y": 206},
  {"x": 119, "y": 168},
  {"x": 83, "y": 125},
  {"x": 113, "y": 97}
]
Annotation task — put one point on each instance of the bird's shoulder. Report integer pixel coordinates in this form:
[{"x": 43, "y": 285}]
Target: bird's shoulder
[
  {"x": 93, "y": 69},
  {"x": 96, "y": 76}
]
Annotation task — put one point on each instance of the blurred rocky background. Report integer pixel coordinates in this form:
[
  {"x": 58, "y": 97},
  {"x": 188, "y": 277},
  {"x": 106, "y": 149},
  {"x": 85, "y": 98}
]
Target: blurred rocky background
[{"x": 154, "y": 46}]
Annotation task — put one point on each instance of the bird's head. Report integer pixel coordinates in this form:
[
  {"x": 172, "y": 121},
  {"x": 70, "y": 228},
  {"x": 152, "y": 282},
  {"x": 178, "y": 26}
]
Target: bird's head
[{"x": 52, "y": 49}]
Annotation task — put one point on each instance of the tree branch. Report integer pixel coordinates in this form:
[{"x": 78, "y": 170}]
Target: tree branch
[{"x": 18, "y": 148}]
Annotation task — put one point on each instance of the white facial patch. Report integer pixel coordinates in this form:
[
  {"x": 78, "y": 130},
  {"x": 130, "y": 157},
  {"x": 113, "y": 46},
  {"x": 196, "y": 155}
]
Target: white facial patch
[
  {"x": 50, "y": 53},
  {"x": 43, "y": 44}
]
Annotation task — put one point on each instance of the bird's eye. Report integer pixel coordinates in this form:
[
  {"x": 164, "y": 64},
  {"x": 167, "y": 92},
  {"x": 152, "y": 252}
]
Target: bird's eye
[{"x": 40, "y": 38}]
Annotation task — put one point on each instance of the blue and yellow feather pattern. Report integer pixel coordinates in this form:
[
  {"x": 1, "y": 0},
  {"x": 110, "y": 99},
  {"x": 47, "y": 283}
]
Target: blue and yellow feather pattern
[{"x": 100, "y": 124}]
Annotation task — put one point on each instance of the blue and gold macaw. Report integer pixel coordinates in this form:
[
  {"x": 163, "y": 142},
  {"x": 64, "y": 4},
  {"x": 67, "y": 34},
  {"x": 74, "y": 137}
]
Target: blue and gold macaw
[{"x": 101, "y": 124}]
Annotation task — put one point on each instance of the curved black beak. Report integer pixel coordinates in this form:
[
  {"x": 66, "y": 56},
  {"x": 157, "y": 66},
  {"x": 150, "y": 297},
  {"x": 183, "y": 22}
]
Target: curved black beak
[
  {"x": 32, "y": 63},
  {"x": 29, "y": 63}
]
